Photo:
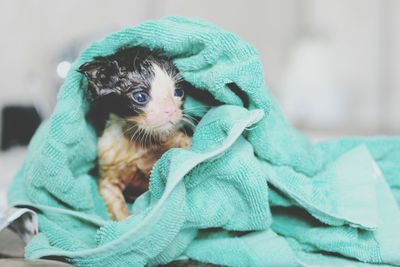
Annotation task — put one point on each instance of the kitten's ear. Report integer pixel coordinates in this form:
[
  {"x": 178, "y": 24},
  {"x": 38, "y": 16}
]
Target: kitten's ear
[
  {"x": 99, "y": 74},
  {"x": 93, "y": 69}
]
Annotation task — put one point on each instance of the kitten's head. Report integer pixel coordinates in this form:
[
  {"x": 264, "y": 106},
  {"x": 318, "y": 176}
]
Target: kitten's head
[{"x": 139, "y": 85}]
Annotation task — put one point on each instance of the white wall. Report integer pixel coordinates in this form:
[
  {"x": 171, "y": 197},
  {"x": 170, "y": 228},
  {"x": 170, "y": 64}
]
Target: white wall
[
  {"x": 390, "y": 45},
  {"x": 361, "y": 38}
]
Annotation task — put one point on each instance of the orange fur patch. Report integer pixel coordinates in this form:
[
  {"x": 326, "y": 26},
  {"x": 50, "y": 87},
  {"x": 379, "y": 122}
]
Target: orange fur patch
[{"x": 126, "y": 165}]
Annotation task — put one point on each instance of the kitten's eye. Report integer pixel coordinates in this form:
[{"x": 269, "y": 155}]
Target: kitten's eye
[
  {"x": 141, "y": 97},
  {"x": 178, "y": 92}
]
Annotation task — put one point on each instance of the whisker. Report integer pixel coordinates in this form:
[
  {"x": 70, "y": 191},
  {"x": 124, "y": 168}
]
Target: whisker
[
  {"x": 183, "y": 128},
  {"x": 189, "y": 122},
  {"x": 197, "y": 107},
  {"x": 124, "y": 132},
  {"x": 135, "y": 135},
  {"x": 144, "y": 138},
  {"x": 200, "y": 109},
  {"x": 177, "y": 77},
  {"x": 190, "y": 117},
  {"x": 148, "y": 138},
  {"x": 140, "y": 136}
]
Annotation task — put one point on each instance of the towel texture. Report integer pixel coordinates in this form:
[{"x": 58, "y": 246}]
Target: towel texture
[{"x": 252, "y": 191}]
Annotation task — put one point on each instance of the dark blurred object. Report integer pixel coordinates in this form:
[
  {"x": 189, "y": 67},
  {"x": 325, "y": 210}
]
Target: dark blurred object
[{"x": 18, "y": 125}]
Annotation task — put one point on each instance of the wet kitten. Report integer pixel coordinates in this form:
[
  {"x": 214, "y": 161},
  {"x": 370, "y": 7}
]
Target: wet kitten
[{"x": 139, "y": 94}]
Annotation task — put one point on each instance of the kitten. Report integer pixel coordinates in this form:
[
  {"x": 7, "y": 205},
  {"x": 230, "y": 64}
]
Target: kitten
[{"x": 138, "y": 93}]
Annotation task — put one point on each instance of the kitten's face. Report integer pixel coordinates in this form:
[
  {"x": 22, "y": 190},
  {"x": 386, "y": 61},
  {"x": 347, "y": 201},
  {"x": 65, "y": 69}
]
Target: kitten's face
[
  {"x": 160, "y": 104},
  {"x": 140, "y": 87}
]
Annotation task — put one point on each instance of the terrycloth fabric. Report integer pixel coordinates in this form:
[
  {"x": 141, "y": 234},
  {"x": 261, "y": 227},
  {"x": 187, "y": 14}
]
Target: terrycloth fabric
[{"x": 252, "y": 191}]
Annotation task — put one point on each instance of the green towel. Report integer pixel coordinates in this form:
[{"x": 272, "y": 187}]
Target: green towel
[{"x": 252, "y": 191}]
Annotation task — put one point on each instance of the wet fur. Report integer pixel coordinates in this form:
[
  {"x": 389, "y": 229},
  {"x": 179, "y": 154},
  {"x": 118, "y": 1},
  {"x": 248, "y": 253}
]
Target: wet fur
[
  {"x": 125, "y": 165},
  {"x": 126, "y": 155}
]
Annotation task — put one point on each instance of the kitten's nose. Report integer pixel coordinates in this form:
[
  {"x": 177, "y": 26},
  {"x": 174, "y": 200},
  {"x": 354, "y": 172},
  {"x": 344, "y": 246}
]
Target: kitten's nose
[{"x": 170, "y": 111}]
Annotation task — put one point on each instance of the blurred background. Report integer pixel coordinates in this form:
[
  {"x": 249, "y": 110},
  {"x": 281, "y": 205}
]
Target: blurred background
[{"x": 333, "y": 64}]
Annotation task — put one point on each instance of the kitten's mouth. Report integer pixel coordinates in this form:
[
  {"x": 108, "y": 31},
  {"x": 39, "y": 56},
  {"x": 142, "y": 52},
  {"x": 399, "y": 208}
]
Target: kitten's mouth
[
  {"x": 168, "y": 123},
  {"x": 167, "y": 126}
]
